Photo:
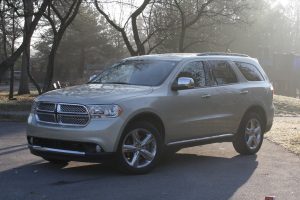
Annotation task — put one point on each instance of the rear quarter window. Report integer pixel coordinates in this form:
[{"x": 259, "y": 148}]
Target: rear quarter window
[
  {"x": 249, "y": 71},
  {"x": 222, "y": 73}
]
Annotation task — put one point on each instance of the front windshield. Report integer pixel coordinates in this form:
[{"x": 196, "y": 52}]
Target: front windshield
[{"x": 137, "y": 72}]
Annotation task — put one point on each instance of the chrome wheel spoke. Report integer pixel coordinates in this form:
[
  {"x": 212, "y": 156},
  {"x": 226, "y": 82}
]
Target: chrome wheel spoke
[
  {"x": 253, "y": 133},
  {"x": 248, "y": 131},
  {"x": 147, "y": 155},
  {"x": 135, "y": 136},
  {"x": 129, "y": 148},
  {"x": 250, "y": 141},
  {"x": 148, "y": 139},
  {"x": 135, "y": 159},
  {"x": 257, "y": 130},
  {"x": 252, "y": 124},
  {"x": 255, "y": 142}
]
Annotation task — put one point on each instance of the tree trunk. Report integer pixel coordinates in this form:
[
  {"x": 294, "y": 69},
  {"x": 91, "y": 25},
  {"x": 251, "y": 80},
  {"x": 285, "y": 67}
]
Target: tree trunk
[
  {"x": 11, "y": 83},
  {"x": 24, "y": 84},
  {"x": 81, "y": 63},
  {"x": 140, "y": 47},
  {"x": 181, "y": 48},
  {"x": 50, "y": 69},
  {"x": 4, "y": 38},
  {"x": 183, "y": 28},
  {"x": 27, "y": 55},
  {"x": 12, "y": 71},
  {"x": 51, "y": 58}
]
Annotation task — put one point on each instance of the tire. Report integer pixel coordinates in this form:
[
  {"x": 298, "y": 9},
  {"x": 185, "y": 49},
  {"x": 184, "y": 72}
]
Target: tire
[
  {"x": 249, "y": 138},
  {"x": 56, "y": 161},
  {"x": 139, "y": 148}
]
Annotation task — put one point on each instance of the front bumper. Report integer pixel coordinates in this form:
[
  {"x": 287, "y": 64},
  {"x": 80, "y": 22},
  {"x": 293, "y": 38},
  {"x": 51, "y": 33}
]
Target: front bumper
[
  {"x": 67, "y": 155},
  {"x": 103, "y": 132}
]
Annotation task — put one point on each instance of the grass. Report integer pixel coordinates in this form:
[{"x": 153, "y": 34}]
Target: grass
[
  {"x": 286, "y": 125},
  {"x": 286, "y": 132},
  {"x": 286, "y": 106},
  {"x": 22, "y": 102}
]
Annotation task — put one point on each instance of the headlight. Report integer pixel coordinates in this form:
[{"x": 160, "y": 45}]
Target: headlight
[
  {"x": 34, "y": 107},
  {"x": 104, "y": 111}
]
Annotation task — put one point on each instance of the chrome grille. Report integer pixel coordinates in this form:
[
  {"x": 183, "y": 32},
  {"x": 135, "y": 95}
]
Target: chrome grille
[
  {"x": 72, "y": 119},
  {"x": 46, "y": 117},
  {"x": 72, "y": 108},
  {"x": 62, "y": 114},
  {"x": 44, "y": 106}
]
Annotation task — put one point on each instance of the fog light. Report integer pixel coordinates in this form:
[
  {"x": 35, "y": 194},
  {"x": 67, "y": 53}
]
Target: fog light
[{"x": 98, "y": 149}]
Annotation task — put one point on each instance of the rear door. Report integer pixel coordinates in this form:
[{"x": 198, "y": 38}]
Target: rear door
[{"x": 225, "y": 96}]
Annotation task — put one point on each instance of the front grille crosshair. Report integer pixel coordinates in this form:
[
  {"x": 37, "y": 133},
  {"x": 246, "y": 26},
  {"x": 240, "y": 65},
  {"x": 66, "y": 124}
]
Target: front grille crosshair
[{"x": 62, "y": 114}]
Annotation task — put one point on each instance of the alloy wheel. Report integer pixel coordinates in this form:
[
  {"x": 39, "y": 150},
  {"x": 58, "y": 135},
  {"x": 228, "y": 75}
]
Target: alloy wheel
[
  {"x": 253, "y": 134},
  {"x": 139, "y": 148}
]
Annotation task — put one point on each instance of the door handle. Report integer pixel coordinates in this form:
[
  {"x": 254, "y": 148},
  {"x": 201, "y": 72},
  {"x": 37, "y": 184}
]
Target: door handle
[
  {"x": 206, "y": 96},
  {"x": 244, "y": 92}
]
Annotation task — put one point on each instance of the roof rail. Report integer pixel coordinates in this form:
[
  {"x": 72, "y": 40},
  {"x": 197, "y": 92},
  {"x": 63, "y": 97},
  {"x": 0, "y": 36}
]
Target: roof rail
[{"x": 221, "y": 54}]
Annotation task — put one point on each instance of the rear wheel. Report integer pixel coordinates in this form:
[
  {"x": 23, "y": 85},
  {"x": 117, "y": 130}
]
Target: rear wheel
[
  {"x": 250, "y": 136},
  {"x": 139, "y": 148}
]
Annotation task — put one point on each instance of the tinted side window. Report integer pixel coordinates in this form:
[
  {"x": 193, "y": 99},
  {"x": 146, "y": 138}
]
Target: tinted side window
[
  {"x": 250, "y": 72},
  {"x": 196, "y": 71},
  {"x": 222, "y": 72}
]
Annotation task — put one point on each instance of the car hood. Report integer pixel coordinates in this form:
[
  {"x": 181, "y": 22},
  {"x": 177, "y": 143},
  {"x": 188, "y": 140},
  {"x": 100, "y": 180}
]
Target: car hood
[{"x": 95, "y": 93}]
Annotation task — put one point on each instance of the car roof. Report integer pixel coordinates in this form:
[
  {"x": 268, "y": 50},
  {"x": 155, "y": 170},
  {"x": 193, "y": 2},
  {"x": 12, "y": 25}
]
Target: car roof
[{"x": 188, "y": 56}]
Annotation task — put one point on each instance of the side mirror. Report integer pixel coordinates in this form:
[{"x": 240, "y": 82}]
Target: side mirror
[
  {"x": 92, "y": 77},
  {"x": 183, "y": 83}
]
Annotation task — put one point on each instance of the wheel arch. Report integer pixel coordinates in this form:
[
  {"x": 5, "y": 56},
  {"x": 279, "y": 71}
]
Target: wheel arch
[
  {"x": 259, "y": 110},
  {"x": 147, "y": 116}
]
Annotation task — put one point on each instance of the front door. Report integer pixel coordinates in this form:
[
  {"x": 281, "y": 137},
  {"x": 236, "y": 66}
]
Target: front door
[{"x": 190, "y": 112}]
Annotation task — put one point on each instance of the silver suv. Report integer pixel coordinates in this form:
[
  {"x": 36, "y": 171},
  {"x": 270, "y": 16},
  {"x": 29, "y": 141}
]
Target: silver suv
[{"x": 142, "y": 106}]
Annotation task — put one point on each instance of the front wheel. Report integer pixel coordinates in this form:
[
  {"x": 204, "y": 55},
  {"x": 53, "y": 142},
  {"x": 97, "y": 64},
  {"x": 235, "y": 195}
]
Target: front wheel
[
  {"x": 139, "y": 148},
  {"x": 250, "y": 136}
]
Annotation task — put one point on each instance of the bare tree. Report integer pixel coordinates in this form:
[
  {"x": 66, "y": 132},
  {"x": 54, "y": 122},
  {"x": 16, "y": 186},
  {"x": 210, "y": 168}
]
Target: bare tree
[
  {"x": 141, "y": 29},
  {"x": 206, "y": 12},
  {"x": 10, "y": 60},
  {"x": 11, "y": 31},
  {"x": 59, "y": 14},
  {"x": 185, "y": 23},
  {"x": 195, "y": 22}
]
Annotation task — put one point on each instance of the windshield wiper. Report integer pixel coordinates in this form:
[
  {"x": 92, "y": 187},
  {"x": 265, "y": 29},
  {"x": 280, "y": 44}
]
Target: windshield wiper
[{"x": 121, "y": 83}]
